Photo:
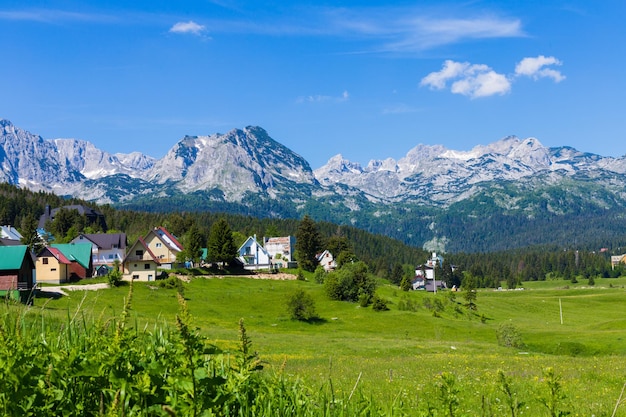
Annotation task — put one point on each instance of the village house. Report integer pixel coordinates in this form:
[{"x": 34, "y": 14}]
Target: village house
[
  {"x": 93, "y": 216},
  {"x": 327, "y": 260},
  {"x": 17, "y": 272},
  {"x": 164, "y": 245},
  {"x": 281, "y": 250},
  {"x": 140, "y": 263},
  {"x": 425, "y": 278},
  {"x": 106, "y": 248},
  {"x": 79, "y": 256},
  {"x": 52, "y": 266},
  {"x": 253, "y": 255},
  {"x": 618, "y": 260},
  {"x": 10, "y": 233}
]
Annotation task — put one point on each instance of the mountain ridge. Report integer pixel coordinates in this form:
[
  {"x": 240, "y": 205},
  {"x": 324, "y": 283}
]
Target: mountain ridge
[{"x": 246, "y": 171}]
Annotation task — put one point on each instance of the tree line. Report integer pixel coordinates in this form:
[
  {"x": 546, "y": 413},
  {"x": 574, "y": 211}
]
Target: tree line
[{"x": 385, "y": 257}]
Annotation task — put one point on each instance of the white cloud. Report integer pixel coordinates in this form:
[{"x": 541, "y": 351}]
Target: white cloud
[
  {"x": 536, "y": 68},
  {"x": 345, "y": 96},
  {"x": 472, "y": 80},
  {"x": 188, "y": 27}
]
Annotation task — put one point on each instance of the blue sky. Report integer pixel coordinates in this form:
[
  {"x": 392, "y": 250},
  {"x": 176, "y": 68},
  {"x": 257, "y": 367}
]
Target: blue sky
[{"x": 366, "y": 79}]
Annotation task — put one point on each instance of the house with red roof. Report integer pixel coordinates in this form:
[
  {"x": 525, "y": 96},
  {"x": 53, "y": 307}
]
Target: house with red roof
[
  {"x": 164, "y": 245},
  {"x": 52, "y": 266}
]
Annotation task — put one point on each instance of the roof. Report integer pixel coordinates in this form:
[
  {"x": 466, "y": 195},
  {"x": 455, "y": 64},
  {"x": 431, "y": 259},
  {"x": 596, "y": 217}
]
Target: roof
[
  {"x": 12, "y": 257},
  {"x": 140, "y": 241},
  {"x": 104, "y": 240},
  {"x": 10, "y": 232},
  {"x": 169, "y": 239},
  {"x": 78, "y": 252},
  {"x": 57, "y": 254}
]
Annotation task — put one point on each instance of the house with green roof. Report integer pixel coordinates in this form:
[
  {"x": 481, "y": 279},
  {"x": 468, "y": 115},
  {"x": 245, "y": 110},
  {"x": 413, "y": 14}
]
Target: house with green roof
[
  {"x": 79, "y": 255},
  {"x": 17, "y": 271}
]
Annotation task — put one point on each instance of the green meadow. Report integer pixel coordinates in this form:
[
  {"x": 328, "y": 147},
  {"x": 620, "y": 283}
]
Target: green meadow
[{"x": 428, "y": 353}]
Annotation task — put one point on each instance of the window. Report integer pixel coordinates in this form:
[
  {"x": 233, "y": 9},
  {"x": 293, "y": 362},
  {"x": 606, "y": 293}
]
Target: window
[
  {"x": 53, "y": 269},
  {"x": 146, "y": 266},
  {"x": 44, "y": 261},
  {"x": 111, "y": 256},
  {"x": 159, "y": 244},
  {"x": 138, "y": 252},
  {"x": 135, "y": 276}
]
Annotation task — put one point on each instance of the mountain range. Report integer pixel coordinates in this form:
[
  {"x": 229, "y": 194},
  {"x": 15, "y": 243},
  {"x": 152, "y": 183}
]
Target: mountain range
[{"x": 433, "y": 197}]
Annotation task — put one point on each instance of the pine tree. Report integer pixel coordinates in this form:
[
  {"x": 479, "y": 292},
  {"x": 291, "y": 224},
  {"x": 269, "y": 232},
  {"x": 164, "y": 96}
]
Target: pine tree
[
  {"x": 30, "y": 237},
  {"x": 221, "y": 247},
  {"x": 308, "y": 244},
  {"x": 194, "y": 243}
]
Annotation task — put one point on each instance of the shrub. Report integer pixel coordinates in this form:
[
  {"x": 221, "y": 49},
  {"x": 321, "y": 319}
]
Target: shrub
[
  {"x": 350, "y": 283},
  {"x": 379, "y": 304},
  {"x": 319, "y": 275},
  {"x": 301, "y": 306},
  {"x": 509, "y": 336}
]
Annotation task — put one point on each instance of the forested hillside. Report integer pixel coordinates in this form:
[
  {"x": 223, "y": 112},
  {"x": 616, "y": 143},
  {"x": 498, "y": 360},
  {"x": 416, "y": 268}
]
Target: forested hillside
[{"x": 387, "y": 257}]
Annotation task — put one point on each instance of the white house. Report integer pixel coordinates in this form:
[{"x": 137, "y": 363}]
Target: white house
[
  {"x": 253, "y": 255},
  {"x": 327, "y": 260},
  {"x": 10, "y": 232},
  {"x": 106, "y": 248},
  {"x": 281, "y": 250}
]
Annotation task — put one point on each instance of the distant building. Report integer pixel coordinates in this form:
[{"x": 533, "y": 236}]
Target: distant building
[
  {"x": 425, "y": 278},
  {"x": 253, "y": 255},
  {"x": 10, "y": 233},
  {"x": 141, "y": 263},
  {"x": 106, "y": 248},
  {"x": 327, "y": 260},
  {"x": 281, "y": 250},
  {"x": 93, "y": 216},
  {"x": 17, "y": 272}
]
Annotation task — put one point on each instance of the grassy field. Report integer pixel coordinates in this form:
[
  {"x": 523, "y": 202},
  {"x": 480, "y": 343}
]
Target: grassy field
[{"x": 427, "y": 350}]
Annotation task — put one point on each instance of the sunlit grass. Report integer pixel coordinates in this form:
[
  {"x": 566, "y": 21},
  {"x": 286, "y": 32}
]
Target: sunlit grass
[{"x": 401, "y": 354}]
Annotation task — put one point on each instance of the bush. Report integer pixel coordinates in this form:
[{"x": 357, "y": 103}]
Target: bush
[
  {"x": 379, "y": 304},
  {"x": 301, "y": 306},
  {"x": 319, "y": 275},
  {"x": 350, "y": 283},
  {"x": 509, "y": 336}
]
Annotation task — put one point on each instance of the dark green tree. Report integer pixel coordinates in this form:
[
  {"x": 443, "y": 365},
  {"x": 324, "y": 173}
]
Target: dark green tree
[
  {"x": 301, "y": 306},
  {"x": 308, "y": 244},
  {"x": 469, "y": 291},
  {"x": 193, "y": 244},
  {"x": 30, "y": 237},
  {"x": 220, "y": 246},
  {"x": 397, "y": 274},
  {"x": 405, "y": 284},
  {"x": 353, "y": 282}
]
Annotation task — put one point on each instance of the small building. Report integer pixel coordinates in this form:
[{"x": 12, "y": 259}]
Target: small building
[
  {"x": 425, "y": 278},
  {"x": 10, "y": 233},
  {"x": 93, "y": 216},
  {"x": 618, "y": 260},
  {"x": 253, "y": 255},
  {"x": 429, "y": 285},
  {"x": 164, "y": 245},
  {"x": 327, "y": 260},
  {"x": 106, "y": 248},
  {"x": 52, "y": 266},
  {"x": 79, "y": 254},
  {"x": 140, "y": 263},
  {"x": 281, "y": 250},
  {"x": 17, "y": 272}
]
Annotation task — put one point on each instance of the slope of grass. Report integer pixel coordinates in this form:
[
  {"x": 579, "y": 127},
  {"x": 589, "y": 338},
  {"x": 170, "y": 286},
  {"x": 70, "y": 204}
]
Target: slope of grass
[{"x": 401, "y": 355}]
